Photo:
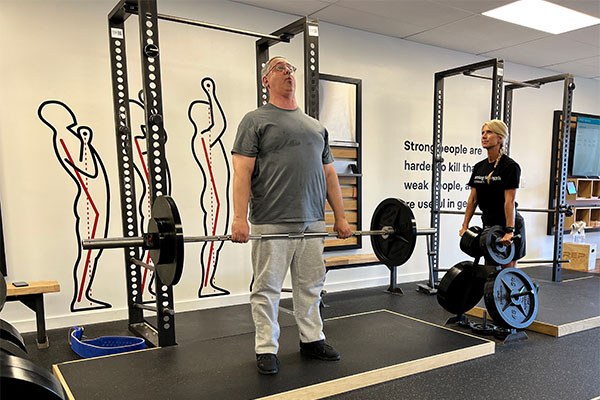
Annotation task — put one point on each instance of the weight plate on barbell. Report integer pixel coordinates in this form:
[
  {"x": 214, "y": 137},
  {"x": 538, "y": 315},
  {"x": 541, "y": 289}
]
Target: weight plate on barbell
[
  {"x": 29, "y": 380},
  {"x": 396, "y": 248},
  {"x": 3, "y": 291},
  {"x": 168, "y": 258},
  {"x": 461, "y": 288},
  {"x": 469, "y": 242},
  {"x": 10, "y": 333},
  {"x": 493, "y": 250},
  {"x": 503, "y": 302}
]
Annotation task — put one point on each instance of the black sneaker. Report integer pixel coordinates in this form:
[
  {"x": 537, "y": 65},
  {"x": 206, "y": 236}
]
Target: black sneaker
[
  {"x": 267, "y": 364},
  {"x": 320, "y": 350}
]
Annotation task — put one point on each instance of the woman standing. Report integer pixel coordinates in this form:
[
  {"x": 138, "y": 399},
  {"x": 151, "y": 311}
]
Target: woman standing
[{"x": 494, "y": 182}]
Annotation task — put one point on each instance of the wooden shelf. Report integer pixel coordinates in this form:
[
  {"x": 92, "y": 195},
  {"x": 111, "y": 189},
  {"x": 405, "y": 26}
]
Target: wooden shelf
[
  {"x": 350, "y": 185},
  {"x": 585, "y": 203}
]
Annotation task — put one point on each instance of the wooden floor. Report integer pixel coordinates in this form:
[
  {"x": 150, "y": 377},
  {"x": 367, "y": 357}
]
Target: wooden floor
[
  {"x": 565, "y": 307},
  {"x": 376, "y": 346}
]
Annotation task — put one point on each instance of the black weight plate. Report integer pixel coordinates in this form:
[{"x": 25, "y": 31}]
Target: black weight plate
[
  {"x": 461, "y": 288},
  {"x": 10, "y": 333},
  {"x": 168, "y": 258},
  {"x": 27, "y": 380},
  {"x": 2, "y": 291},
  {"x": 493, "y": 250},
  {"x": 469, "y": 242},
  {"x": 8, "y": 347},
  {"x": 506, "y": 310},
  {"x": 395, "y": 249}
]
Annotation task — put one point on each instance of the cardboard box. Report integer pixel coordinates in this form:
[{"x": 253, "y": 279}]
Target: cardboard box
[{"x": 582, "y": 256}]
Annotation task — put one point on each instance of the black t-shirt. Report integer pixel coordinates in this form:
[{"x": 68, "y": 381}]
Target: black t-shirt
[{"x": 490, "y": 192}]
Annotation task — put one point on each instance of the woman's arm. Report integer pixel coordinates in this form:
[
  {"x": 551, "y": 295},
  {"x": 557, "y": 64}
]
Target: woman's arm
[{"x": 469, "y": 211}]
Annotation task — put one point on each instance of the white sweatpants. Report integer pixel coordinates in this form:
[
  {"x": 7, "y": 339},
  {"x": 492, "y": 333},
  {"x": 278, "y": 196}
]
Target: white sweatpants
[{"x": 271, "y": 260}]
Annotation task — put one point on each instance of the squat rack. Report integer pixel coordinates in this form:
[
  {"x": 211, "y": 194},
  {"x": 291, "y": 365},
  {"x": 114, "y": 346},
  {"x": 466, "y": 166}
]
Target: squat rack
[
  {"x": 559, "y": 165},
  {"x": 437, "y": 159},
  {"x": 560, "y": 177},
  {"x": 162, "y": 333}
]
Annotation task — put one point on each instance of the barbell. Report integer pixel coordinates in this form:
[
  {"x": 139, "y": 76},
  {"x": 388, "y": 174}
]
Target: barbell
[
  {"x": 566, "y": 209},
  {"x": 393, "y": 237},
  {"x": 478, "y": 242}
]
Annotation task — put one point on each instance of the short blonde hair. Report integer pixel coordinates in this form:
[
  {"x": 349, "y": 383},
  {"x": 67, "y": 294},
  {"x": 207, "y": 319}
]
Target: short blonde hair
[{"x": 498, "y": 127}]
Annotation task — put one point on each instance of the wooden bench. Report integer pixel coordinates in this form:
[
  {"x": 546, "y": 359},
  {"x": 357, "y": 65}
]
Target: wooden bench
[
  {"x": 33, "y": 297},
  {"x": 361, "y": 260},
  {"x": 355, "y": 260}
]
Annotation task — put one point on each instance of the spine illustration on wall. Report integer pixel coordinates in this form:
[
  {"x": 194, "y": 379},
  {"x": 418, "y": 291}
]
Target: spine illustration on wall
[
  {"x": 76, "y": 154},
  {"x": 209, "y": 124},
  {"x": 142, "y": 185}
]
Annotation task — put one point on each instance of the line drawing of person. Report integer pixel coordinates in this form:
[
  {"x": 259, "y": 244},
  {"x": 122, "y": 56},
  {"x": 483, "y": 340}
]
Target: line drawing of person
[
  {"x": 209, "y": 123},
  {"x": 140, "y": 165},
  {"x": 91, "y": 206}
]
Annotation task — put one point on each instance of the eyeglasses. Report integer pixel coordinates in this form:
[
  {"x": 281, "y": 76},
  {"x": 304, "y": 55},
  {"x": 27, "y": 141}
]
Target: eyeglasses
[{"x": 283, "y": 67}]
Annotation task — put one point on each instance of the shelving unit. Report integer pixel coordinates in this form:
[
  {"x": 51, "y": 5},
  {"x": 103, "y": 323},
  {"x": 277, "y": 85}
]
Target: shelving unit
[
  {"x": 347, "y": 165},
  {"x": 585, "y": 202},
  {"x": 340, "y": 110}
]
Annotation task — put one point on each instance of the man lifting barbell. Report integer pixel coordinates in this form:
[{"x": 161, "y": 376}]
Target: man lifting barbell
[
  {"x": 494, "y": 182},
  {"x": 283, "y": 166}
]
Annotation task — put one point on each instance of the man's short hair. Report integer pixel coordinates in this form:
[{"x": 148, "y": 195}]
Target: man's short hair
[{"x": 265, "y": 69}]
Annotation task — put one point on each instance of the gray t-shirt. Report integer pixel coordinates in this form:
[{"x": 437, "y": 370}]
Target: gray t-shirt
[{"x": 288, "y": 182}]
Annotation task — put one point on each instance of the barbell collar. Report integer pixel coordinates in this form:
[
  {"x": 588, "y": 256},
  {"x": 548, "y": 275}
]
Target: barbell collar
[{"x": 113, "y": 243}]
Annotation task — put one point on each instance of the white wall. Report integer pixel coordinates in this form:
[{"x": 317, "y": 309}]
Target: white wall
[{"x": 59, "y": 50}]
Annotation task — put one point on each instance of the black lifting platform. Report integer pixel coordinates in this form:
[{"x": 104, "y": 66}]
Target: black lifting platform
[{"x": 376, "y": 347}]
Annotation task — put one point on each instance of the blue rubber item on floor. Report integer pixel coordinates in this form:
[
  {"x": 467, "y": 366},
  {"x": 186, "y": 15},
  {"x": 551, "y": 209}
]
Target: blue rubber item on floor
[{"x": 104, "y": 345}]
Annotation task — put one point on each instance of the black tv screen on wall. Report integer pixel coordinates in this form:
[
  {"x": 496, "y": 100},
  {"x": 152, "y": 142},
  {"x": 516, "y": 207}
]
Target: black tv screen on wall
[
  {"x": 585, "y": 149},
  {"x": 584, "y": 144}
]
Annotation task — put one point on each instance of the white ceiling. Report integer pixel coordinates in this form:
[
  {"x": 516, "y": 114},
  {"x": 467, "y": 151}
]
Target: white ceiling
[{"x": 458, "y": 25}]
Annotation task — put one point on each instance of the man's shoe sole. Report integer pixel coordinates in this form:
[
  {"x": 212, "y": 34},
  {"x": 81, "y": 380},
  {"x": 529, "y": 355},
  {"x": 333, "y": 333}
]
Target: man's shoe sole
[
  {"x": 318, "y": 357},
  {"x": 271, "y": 372}
]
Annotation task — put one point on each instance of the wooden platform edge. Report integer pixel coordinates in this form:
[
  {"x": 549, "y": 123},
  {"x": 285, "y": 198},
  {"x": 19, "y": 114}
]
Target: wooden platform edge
[
  {"x": 386, "y": 374},
  {"x": 579, "y": 326},
  {"x": 536, "y": 326},
  {"x": 63, "y": 382},
  {"x": 56, "y": 371}
]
